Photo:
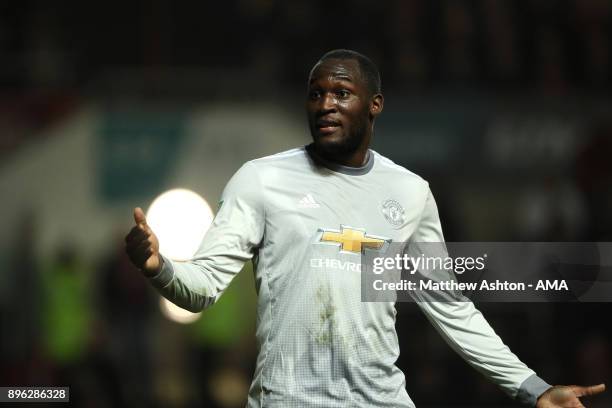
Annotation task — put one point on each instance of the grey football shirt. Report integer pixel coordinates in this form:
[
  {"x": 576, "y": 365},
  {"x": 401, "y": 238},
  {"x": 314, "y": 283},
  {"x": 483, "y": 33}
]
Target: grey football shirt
[{"x": 305, "y": 222}]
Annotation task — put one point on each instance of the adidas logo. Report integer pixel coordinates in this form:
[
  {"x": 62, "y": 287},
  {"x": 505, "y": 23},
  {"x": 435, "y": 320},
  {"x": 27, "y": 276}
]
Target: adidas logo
[{"x": 308, "y": 201}]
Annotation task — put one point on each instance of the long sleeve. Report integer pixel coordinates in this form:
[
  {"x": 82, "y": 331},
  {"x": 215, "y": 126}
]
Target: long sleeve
[
  {"x": 465, "y": 329},
  {"x": 232, "y": 239}
]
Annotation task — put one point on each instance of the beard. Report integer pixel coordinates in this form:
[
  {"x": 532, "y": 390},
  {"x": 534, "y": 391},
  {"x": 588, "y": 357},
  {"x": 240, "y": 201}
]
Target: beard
[
  {"x": 338, "y": 147},
  {"x": 333, "y": 146}
]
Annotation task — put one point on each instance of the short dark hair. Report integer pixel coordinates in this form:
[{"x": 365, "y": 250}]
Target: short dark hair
[{"x": 369, "y": 70}]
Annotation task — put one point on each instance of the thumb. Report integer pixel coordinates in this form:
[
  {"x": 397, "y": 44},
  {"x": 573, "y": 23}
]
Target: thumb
[
  {"x": 139, "y": 216},
  {"x": 592, "y": 390}
]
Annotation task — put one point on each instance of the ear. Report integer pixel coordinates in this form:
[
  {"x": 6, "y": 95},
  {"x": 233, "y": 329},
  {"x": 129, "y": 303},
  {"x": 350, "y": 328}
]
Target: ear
[{"x": 376, "y": 105}]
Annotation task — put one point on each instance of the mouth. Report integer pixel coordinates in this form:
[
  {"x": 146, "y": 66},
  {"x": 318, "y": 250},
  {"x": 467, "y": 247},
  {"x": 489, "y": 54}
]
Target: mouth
[{"x": 327, "y": 126}]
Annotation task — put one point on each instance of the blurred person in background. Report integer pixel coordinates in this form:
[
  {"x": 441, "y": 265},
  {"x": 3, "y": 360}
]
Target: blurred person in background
[
  {"x": 21, "y": 300},
  {"x": 74, "y": 340},
  {"x": 126, "y": 308},
  {"x": 67, "y": 319},
  {"x": 319, "y": 344}
]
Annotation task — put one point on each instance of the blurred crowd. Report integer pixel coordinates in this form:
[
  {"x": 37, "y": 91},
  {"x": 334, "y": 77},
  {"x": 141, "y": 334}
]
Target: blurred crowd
[
  {"x": 100, "y": 331},
  {"x": 541, "y": 44},
  {"x": 54, "y": 54}
]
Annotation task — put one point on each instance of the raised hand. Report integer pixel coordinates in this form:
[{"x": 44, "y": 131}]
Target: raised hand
[
  {"x": 567, "y": 396},
  {"x": 142, "y": 246}
]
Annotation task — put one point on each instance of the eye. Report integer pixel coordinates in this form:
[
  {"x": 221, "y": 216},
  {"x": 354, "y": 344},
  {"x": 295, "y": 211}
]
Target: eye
[
  {"x": 343, "y": 93},
  {"x": 314, "y": 95}
]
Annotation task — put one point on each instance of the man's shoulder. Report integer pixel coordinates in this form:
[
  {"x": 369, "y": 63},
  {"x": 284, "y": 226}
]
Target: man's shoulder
[
  {"x": 265, "y": 171},
  {"x": 387, "y": 165},
  {"x": 291, "y": 156},
  {"x": 276, "y": 167}
]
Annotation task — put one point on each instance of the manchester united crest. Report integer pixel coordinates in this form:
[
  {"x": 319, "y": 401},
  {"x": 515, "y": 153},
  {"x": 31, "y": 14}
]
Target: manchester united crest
[{"x": 393, "y": 212}]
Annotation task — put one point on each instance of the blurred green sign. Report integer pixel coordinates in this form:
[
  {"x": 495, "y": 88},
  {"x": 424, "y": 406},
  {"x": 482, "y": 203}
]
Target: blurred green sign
[{"x": 135, "y": 152}]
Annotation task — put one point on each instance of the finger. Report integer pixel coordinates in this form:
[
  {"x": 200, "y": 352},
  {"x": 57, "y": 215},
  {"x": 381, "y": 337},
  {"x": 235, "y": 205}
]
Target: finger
[
  {"x": 130, "y": 235},
  {"x": 136, "y": 250},
  {"x": 581, "y": 391},
  {"x": 134, "y": 242},
  {"x": 137, "y": 234},
  {"x": 139, "y": 217},
  {"x": 140, "y": 256},
  {"x": 138, "y": 261},
  {"x": 136, "y": 246},
  {"x": 141, "y": 220},
  {"x": 146, "y": 255}
]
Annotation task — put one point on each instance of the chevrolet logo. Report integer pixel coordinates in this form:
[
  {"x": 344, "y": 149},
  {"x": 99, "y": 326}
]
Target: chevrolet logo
[{"x": 353, "y": 240}]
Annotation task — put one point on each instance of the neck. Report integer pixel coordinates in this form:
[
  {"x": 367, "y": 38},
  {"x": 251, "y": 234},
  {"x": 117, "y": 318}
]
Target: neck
[
  {"x": 356, "y": 158},
  {"x": 353, "y": 158}
]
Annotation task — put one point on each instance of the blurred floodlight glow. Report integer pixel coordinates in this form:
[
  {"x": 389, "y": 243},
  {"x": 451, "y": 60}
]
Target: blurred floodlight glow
[
  {"x": 175, "y": 313},
  {"x": 180, "y": 219}
]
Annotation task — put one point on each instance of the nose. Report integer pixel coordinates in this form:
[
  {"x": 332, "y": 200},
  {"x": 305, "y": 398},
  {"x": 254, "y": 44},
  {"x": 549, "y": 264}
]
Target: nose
[{"x": 328, "y": 102}]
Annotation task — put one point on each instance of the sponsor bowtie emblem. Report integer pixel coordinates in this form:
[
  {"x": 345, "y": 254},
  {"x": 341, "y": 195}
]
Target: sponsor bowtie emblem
[
  {"x": 393, "y": 212},
  {"x": 353, "y": 239}
]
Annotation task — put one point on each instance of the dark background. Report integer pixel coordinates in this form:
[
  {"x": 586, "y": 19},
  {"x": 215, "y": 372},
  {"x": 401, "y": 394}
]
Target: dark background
[{"x": 503, "y": 106}]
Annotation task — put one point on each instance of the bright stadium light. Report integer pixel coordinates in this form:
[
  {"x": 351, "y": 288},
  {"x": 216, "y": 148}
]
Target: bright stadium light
[
  {"x": 175, "y": 313},
  {"x": 179, "y": 218}
]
